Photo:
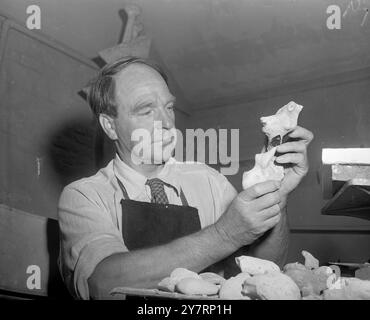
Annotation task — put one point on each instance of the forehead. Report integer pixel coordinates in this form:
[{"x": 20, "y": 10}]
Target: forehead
[{"x": 137, "y": 82}]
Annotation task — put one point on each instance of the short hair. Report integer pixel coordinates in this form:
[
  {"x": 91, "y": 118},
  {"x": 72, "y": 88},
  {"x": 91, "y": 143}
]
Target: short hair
[{"x": 101, "y": 94}]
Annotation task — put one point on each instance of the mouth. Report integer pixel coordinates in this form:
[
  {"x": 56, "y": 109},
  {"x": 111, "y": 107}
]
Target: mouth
[{"x": 165, "y": 142}]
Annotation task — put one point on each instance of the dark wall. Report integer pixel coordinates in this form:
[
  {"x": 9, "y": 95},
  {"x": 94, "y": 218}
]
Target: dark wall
[{"x": 47, "y": 134}]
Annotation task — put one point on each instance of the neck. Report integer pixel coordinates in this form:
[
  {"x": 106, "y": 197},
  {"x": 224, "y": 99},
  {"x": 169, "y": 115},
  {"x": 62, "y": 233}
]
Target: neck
[{"x": 147, "y": 170}]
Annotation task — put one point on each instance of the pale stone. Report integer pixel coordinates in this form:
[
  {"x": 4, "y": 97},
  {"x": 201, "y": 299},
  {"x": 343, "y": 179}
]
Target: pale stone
[
  {"x": 281, "y": 123},
  {"x": 255, "y": 266},
  {"x": 263, "y": 170}
]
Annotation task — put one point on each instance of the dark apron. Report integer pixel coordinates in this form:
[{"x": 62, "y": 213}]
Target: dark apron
[{"x": 149, "y": 224}]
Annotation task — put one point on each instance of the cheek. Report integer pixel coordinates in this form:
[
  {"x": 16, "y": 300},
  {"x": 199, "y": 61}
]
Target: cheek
[
  {"x": 123, "y": 131},
  {"x": 143, "y": 125},
  {"x": 127, "y": 128}
]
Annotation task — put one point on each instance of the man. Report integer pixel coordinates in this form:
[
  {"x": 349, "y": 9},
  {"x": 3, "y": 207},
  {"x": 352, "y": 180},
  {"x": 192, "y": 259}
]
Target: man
[{"x": 139, "y": 218}]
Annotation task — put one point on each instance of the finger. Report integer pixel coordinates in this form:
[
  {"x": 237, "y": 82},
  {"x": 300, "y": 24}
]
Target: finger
[
  {"x": 270, "y": 212},
  {"x": 268, "y": 200},
  {"x": 259, "y": 189},
  {"x": 302, "y": 133},
  {"x": 296, "y": 146},
  {"x": 296, "y": 158},
  {"x": 272, "y": 222}
]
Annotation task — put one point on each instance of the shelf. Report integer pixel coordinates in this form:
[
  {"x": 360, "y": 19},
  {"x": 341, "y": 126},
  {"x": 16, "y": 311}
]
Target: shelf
[{"x": 353, "y": 199}]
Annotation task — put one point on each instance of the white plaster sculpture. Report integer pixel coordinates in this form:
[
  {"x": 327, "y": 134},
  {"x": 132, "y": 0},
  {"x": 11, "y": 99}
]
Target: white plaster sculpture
[
  {"x": 134, "y": 43},
  {"x": 192, "y": 286},
  {"x": 263, "y": 170},
  {"x": 255, "y": 266},
  {"x": 281, "y": 123},
  {"x": 309, "y": 260},
  {"x": 275, "y": 127},
  {"x": 190, "y": 283},
  {"x": 232, "y": 288},
  {"x": 271, "y": 286}
]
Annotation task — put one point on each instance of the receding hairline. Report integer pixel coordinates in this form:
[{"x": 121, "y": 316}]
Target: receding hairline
[
  {"x": 142, "y": 67},
  {"x": 102, "y": 95}
]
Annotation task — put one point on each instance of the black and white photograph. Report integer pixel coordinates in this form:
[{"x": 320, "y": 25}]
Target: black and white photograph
[{"x": 178, "y": 155}]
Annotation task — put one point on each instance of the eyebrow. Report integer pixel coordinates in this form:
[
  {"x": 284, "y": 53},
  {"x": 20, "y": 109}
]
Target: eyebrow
[
  {"x": 173, "y": 99},
  {"x": 149, "y": 104},
  {"x": 140, "y": 106}
]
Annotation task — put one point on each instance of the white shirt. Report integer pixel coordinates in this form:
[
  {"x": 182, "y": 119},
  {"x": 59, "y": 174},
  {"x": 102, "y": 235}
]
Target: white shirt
[
  {"x": 135, "y": 182},
  {"x": 90, "y": 216}
]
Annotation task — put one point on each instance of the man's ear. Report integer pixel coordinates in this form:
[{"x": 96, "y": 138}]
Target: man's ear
[{"x": 108, "y": 125}]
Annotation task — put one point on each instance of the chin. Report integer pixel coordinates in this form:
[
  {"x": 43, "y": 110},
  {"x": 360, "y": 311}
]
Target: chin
[
  {"x": 160, "y": 159},
  {"x": 163, "y": 156}
]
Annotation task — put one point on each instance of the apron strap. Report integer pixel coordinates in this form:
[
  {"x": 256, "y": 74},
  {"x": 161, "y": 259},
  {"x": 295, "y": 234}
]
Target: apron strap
[
  {"x": 183, "y": 198},
  {"x": 124, "y": 191},
  {"x": 125, "y": 194}
]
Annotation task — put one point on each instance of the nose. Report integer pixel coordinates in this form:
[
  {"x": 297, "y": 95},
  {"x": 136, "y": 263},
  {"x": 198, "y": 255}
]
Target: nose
[{"x": 166, "y": 118}]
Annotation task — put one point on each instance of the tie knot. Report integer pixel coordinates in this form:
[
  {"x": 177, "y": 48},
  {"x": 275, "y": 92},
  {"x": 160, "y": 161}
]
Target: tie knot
[
  {"x": 154, "y": 182},
  {"x": 157, "y": 190}
]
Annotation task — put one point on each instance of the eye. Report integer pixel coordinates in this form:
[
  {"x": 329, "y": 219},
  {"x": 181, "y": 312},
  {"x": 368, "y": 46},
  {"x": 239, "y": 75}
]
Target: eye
[
  {"x": 145, "y": 111},
  {"x": 171, "y": 107}
]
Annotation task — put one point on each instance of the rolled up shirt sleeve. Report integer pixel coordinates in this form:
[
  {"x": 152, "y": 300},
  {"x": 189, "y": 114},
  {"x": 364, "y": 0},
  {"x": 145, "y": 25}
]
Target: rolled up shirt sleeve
[
  {"x": 222, "y": 190},
  {"x": 88, "y": 235}
]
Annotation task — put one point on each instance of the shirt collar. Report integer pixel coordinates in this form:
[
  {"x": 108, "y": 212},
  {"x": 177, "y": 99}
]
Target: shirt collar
[
  {"x": 169, "y": 176},
  {"x": 134, "y": 181}
]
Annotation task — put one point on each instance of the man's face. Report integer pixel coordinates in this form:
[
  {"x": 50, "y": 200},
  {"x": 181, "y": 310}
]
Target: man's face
[{"x": 145, "y": 105}]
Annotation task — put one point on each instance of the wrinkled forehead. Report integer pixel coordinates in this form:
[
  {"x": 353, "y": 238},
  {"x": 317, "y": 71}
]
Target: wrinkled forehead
[{"x": 137, "y": 82}]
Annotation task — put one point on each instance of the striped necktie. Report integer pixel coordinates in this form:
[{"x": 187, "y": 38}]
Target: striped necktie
[{"x": 157, "y": 190}]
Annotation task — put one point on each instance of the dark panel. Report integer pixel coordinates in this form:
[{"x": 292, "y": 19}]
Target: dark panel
[
  {"x": 349, "y": 246},
  {"x": 29, "y": 240},
  {"x": 47, "y": 132}
]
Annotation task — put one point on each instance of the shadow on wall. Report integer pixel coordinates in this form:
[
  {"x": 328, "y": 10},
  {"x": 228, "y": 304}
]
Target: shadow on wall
[{"x": 74, "y": 150}]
